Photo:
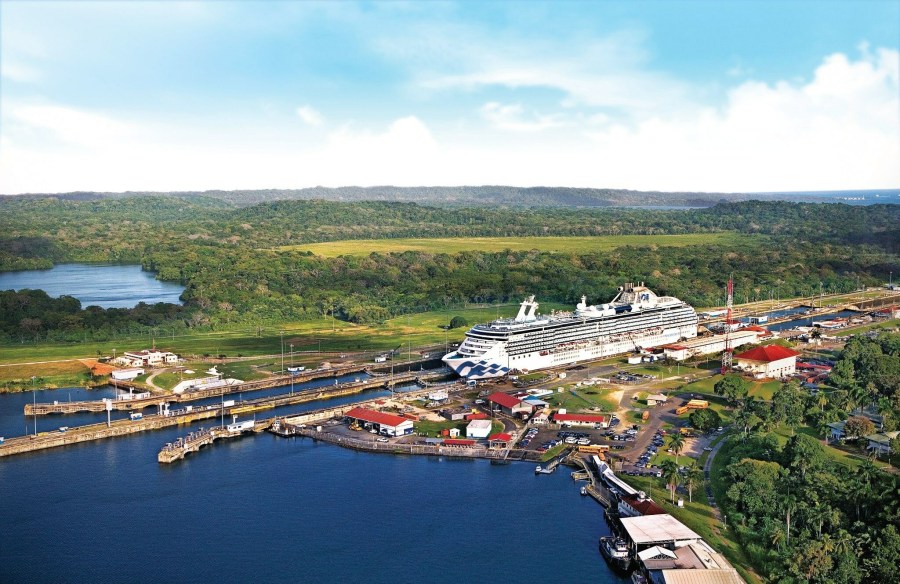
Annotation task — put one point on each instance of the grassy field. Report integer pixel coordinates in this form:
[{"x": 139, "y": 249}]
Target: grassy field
[
  {"x": 51, "y": 375},
  {"x": 583, "y": 398},
  {"x": 314, "y": 342},
  {"x": 364, "y": 247}
]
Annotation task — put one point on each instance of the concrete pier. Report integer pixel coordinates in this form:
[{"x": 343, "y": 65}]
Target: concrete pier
[
  {"x": 187, "y": 397},
  {"x": 74, "y": 435}
]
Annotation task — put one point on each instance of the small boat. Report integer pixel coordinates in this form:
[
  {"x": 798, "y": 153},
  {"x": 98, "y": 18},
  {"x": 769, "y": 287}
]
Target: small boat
[
  {"x": 615, "y": 550},
  {"x": 136, "y": 416},
  {"x": 638, "y": 578},
  {"x": 583, "y": 491}
]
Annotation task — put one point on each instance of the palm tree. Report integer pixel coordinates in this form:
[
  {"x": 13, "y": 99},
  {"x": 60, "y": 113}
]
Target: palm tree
[
  {"x": 677, "y": 445},
  {"x": 777, "y": 537},
  {"x": 693, "y": 477},
  {"x": 670, "y": 475},
  {"x": 789, "y": 505}
]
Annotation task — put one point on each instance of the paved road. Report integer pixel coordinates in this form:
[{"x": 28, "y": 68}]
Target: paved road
[{"x": 707, "y": 467}]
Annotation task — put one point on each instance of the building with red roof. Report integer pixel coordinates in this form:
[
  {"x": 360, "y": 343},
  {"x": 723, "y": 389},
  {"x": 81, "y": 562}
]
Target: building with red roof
[
  {"x": 510, "y": 405},
  {"x": 772, "y": 361},
  {"x": 581, "y": 420},
  {"x": 386, "y": 424},
  {"x": 638, "y": 504},
  {"x": 499, "y": 440}
]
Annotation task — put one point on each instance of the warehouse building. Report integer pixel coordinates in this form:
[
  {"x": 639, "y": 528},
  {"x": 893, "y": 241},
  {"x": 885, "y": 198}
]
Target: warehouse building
[
  {"x": 510, "y": 405},
  {"x": 709, "y": 345},
  {"x": 478, "y": 429},
  {"x": 593, "y": 420},
  {"x": 386, "y": 424}
]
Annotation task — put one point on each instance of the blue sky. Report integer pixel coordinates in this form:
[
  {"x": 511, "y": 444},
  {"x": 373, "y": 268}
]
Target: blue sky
[{"x": 663, "y": 95}]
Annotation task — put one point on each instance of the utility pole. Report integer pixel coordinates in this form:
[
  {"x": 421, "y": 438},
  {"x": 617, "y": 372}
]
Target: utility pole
[{"x": 282, "y": 351}]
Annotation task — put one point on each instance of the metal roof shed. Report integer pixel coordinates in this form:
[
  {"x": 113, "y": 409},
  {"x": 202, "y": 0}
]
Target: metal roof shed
[{"x": 651, "y": 530}]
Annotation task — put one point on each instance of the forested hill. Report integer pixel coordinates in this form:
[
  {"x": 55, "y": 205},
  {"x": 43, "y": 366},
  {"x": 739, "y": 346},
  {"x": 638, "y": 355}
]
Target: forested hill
[{"x": 500, "y": 196}]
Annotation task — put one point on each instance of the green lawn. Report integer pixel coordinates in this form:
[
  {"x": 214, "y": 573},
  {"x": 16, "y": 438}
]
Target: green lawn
[
  {"x": 577, "y": 399},
  {"x": 493, "y": 244},
  {"x": 314, "y": 342},
  {"x": 434, "y": 429}
]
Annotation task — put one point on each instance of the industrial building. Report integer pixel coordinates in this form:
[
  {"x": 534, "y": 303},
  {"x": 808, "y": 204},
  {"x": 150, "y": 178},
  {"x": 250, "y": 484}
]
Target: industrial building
[
  {"x": 126, "y": 374},
  {"x": 510, "y": 405},
  {"x": 709, "y": 345},
  {"x": 695, "y": 563},
  {"x": 594, "y": 420},
  {"x": 386, "y": 424},
  {"x": 773, "y": 361},
  {"x": 657, "y": 530},
  {"x": 478, "y": 429}
]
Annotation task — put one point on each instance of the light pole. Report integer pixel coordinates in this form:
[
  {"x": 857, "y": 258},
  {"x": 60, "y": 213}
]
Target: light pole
[
  {"x": 282, "y": 351},
  {"x": 34, "y": 404}
]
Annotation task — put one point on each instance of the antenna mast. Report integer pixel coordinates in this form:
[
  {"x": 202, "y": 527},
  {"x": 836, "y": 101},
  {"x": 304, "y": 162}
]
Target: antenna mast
[{"x": 728, "y": 352}]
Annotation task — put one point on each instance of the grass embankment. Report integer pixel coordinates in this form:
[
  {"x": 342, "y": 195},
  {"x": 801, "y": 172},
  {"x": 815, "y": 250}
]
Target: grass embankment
[
  {"x": 72, "y": 373},
  {"x": 364, "y": 247}
]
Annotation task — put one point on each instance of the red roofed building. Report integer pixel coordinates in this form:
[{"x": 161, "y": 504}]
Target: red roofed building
[
  {"x": 769, "y": 361},
  {"x": 386, "y": 424},
  {"x": 638, "y": 504},
  {"x": 459, "y": 443},
  {"x": 510, "y": 405},
  {"x": 477, "y": 416},
  {"x": 499, "y": 440},
  {"x": 581, "y": 420}
]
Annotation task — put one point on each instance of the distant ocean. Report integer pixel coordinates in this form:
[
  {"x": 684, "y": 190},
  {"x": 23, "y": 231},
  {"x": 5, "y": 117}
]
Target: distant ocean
[{"x": 862, "y": 197}]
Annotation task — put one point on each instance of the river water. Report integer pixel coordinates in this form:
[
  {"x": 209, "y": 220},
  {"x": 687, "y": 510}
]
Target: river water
[
  {"x": 266, "y": 509},
  {"x": 108, "y": 286}
]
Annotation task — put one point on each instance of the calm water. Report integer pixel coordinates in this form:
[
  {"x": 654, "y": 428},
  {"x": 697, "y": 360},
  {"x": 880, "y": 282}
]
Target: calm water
[
  {"x": 809, "y": 320},
  {"x": 267, "y": 509},
  {"x": 109, "y": 286}
]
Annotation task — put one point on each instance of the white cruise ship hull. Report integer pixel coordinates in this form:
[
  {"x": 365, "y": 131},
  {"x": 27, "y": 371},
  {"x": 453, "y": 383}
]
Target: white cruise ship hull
[
  {"x": 497, "y": 363},
  {"x": 636, "y": 319}
]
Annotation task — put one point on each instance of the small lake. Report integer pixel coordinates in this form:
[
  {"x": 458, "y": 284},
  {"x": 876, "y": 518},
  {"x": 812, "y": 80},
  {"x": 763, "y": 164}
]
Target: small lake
[{"x": 108, "y": 286}]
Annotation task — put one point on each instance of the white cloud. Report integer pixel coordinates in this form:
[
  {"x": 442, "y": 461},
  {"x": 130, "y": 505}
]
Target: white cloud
[
  {"x": 310, "y": 116},
  {"x": 513, "y": 117},
  {"x": 72, "y": 125},
  {"x": 840, "y": 129}
]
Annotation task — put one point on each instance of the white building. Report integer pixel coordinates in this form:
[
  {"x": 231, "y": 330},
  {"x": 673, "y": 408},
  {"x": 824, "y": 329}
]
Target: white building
[
  {"x": 478, "y": 429},
  {"x": 148, "y": 358},
  {"x": 773, "y": 361},
  {"x": 126, "y": 374},
  {"x": 708, "y": 345}
]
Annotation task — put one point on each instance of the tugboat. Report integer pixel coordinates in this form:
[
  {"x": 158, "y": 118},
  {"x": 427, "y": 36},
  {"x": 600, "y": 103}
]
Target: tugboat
[{"x": 615, "y": 550}]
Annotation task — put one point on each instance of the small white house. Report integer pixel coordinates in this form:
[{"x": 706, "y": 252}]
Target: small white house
[{"x": 478, "y": 429}]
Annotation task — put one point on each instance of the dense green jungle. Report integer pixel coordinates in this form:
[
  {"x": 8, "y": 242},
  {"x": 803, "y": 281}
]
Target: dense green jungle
[{"x": 228, "y": 259}]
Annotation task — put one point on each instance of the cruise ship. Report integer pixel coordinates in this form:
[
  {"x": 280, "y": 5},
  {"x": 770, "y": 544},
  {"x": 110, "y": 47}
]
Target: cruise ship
[{"x": 635, "y": 319}]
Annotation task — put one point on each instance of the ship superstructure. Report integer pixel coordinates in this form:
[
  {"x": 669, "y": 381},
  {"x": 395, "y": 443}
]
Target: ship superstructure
[{"x": 635, "y": 319}]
